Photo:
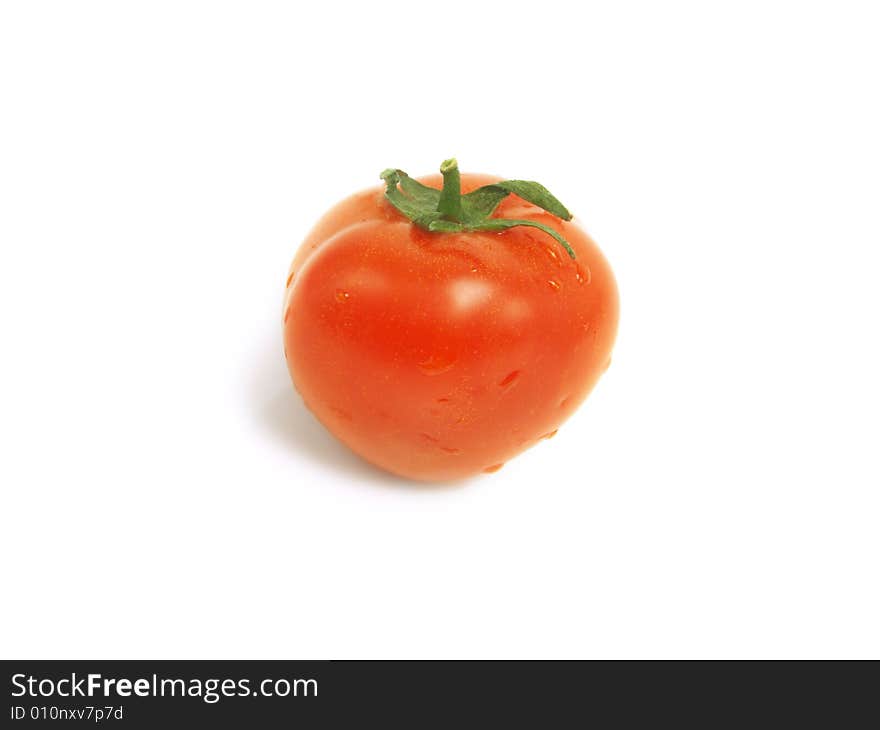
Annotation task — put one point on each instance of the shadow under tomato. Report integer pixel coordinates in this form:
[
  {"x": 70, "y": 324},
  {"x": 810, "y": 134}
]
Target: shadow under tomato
[{"x": 279, "y": 408}]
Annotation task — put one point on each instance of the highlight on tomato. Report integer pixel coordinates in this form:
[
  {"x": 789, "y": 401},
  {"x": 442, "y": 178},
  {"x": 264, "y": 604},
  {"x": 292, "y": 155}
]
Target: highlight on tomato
[{"x": 439, "y": 327}]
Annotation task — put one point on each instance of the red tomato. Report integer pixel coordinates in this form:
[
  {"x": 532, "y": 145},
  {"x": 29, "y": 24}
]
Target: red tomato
[{"x": 439, "y": 355}]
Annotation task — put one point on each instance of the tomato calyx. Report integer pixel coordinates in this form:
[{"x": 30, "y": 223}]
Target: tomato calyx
[{"x": 448, "y": 211}]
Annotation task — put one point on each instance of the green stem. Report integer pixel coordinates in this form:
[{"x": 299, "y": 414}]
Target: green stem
[
  {"x": 448, "y": 211},
  {"x": 450, "y": 197}
]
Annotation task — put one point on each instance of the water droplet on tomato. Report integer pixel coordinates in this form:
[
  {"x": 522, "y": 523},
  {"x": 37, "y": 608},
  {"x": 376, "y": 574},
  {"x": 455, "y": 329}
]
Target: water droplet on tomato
[
  {"x": 429, "y": 438},
  {"x": 443, "y": 400},
  {"x": 290, "y": 279},
  {"x": 450, "y": 450},
  {"x": 565, "y": 402},
  {"x": 287, "y": 314},
  {"x": 342, "y": 295},
  {"x": 492, "y": 469},
  {"x": 551, "y": 434},
  {"x": 551, "y": 252},
  {"x": 437, "y": 363},
  {"x": 554, "y": 285},
  {"x": 583, "y": 274},
  {"x": 509, "y": 378}
]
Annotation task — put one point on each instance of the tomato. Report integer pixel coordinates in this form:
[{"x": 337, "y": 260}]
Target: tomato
[{"x": 440, "y": 354}]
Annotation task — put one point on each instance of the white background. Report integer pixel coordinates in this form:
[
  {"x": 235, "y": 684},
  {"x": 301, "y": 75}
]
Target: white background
[{"x": 164, "y": 494}]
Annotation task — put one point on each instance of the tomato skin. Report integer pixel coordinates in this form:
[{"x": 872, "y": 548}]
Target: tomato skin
[{"x": 437, "y": 356}]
